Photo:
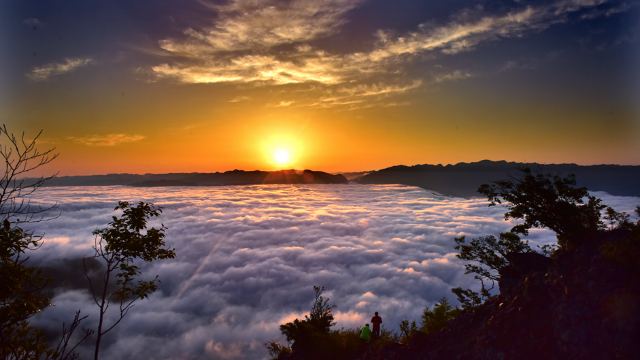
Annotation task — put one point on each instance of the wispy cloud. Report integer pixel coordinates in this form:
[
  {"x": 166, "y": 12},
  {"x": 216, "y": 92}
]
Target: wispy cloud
[
  {"x": 239, "y": 98},
  {"x": 245, "y": 43},
  {"x": 106, "y": 140},
  {"x": 469, "y": 28},
  {"x": 356, "y": 97},
  {"x": 282, "y": 104},
  {"x": 52, "y": 69},
  {"x": 255, "y": 68},
  {"x": 454, "y": 75},
  {"x": 254, "y": 24},
  {"x": 596, "y": 13}
]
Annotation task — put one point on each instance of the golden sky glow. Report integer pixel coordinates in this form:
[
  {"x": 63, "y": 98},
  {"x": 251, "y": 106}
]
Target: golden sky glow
[{"x": 338, "y": 84}]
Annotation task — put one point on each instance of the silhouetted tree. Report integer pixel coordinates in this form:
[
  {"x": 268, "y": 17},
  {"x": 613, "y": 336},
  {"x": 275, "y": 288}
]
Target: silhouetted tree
[
  {"x": 20, "y": 157},
  {"x": 318, "y": 321},
  {"x": 491, "y": 254},
  {"x": 20, "y": 287},
  {"x": 321, "y": 315},
  {"x": 312, "y": 334},
  {"x": 276, "y": 349},
  {"x": 407, "y": 330},
  {"x": 543, "y": 200},
  {"x": 19, "y": 299},
  {"x": 123, "y": 241},
  {"x": 436, "y": 319}
]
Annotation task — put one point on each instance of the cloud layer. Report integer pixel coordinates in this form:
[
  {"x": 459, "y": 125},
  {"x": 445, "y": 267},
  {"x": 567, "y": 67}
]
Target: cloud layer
[{"x": 247, "y": 258}]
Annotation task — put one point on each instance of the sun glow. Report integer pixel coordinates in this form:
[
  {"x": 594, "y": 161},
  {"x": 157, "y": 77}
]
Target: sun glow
[
  {"x": 282, "y": 157},
  {"x": 282, "y": 150}
]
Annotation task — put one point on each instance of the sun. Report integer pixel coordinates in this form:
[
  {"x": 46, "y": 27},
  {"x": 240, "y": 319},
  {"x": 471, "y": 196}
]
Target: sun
[{"x": 282, "y": 157}]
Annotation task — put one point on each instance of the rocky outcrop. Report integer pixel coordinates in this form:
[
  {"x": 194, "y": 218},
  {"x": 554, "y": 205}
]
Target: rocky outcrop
[
  {"x": 521, "y": 265},
  {"x": 579, "y": 306}
]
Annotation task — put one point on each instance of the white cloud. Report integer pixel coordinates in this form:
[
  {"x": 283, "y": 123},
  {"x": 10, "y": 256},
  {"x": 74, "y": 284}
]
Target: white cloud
[
  {"x": 248, "y": 256},
  {"x": 106, "y": 140},
  {"x": 52, "y": 69}
]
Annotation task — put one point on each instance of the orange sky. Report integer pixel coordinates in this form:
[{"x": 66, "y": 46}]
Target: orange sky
[{"x": 437, "y": 84}]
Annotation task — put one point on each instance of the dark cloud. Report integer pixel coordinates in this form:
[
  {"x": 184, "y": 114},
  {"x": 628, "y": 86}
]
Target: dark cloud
[{"x": 247, "y": 258}]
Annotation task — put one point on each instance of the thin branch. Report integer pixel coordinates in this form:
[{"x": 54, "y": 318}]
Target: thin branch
[
  {"x": 86, "y": 273},
  {"x": 122, "y": 315}
]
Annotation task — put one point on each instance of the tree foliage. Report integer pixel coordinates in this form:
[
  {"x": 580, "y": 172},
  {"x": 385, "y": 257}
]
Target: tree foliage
[
  {"x": 321, "y": 315},
  {"x": 312, "y": 334},
  {"x": 19, "y": 298},
  {"x": 123, "y": 241},
  {"x": 490, "y": 252},
  {"x": 20, "y": 284},
  {"x": 21, "y": 156},
  {"x": 319, "y": 320},
  {"x": 470, "y": 299},
  {"x": 549, "y": 201},
  {"x": 486, "y": 256},
  {"x": 432, "y": 321},
  {"x": 542, "y": 201},
  {"x": 436, "y": 319},
  {"x": 407, "y": 330},
  {"x": 276, "y": 349}
]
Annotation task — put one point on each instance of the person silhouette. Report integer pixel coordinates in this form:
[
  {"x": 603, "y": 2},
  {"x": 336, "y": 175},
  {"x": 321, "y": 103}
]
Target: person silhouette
[
  {"x": 365, "y": 334},
  {"x": 376, "y": 321}
]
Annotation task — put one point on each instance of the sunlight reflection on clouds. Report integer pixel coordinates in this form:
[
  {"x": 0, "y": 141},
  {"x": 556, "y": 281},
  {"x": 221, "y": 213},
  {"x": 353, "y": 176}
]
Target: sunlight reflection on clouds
[
  {"x": 244, "y": 44},
  {"x": 248, "y": 256}
]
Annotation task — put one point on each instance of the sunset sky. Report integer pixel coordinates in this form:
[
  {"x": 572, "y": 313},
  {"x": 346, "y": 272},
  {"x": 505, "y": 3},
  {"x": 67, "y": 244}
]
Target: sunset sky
[{"x": 334, "y": 85}]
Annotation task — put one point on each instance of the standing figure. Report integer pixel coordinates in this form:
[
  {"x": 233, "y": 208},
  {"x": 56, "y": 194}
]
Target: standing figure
[{"x": 376, "y": 321}]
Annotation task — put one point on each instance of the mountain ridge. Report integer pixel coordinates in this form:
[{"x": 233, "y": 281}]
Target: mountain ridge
[
  {"x": 462, "y": 179},
  {"x": 233, "y": 177}
]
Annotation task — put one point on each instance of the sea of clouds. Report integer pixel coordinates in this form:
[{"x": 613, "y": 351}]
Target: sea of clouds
[{"x": 248, "y": 257}]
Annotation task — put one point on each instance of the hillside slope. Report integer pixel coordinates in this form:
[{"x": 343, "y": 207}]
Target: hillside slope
[{"x": 463, "y": 179}]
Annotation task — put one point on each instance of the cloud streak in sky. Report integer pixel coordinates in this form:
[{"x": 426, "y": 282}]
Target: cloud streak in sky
[
  {"x": 45, "y": 72},
  {"x": 106, "y": 140},
  {"x": 248, "y": 256},
  {"x": 251, "y": 25},
  {"x": 244, "y": 45}
]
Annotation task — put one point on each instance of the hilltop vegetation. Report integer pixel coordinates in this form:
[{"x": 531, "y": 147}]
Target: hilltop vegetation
[{"x": 578, "y": 299}]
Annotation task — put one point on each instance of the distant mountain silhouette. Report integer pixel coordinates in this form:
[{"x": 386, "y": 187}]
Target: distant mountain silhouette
[
  {"x": 463, "y": 179},
  {"x": 355, "y": 176},
  {"x": 235, "y": 177},
  {"x": 163, "y": 182}
]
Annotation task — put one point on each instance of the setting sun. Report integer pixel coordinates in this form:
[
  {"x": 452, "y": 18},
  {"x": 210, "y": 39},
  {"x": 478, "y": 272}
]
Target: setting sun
[{"x": 282, "y": 157}]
